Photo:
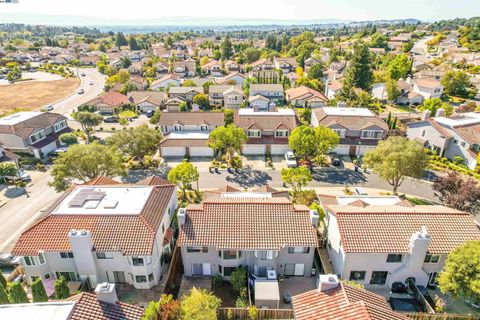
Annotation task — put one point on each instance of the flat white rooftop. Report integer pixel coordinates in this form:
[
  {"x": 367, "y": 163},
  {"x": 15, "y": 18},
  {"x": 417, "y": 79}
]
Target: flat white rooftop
[
  {"x": 460, "y": 120},
  {"x": 371, "y": 200},
  {"x": 188, "y": 135},
  {"x": 18, "y": 117},
  {"x": 279, "y": 112},
  {"x": 262, "y": 195},
  {"x": 360, "y": 112},
  {"x": 115, "y": 200},
  {"x": 38, "y": 311}
]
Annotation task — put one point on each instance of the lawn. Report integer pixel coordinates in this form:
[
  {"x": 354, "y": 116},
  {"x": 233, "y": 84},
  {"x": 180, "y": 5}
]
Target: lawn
[
  {"x": 127, "y": 114},
  {"x": 35, "y": 94}
]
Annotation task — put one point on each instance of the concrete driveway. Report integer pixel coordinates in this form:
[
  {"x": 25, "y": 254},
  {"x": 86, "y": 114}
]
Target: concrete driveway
[
  {"x": 202, "y": 163},
  {"x": 254, "y": 162}
]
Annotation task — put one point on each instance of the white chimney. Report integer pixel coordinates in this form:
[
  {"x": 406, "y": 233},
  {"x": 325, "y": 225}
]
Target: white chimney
[
  {"x": 314, "y": 218},
  {"x": 82, "y": 245},
  {"x": 327, "y": 282},
  {"x": 440, "y": 112},
  {"x": 426, "y": 115},
  {"x": 181, "y": 216},
  {"x": 419, "y": 243},
  {"x": 105, "y": 292}
]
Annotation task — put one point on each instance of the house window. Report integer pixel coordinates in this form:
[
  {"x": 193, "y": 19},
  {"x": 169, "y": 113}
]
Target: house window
[
  {"x": 260, "y": 271},
  {"x": 177, "y": 128},
  {"x": 229, "y": 254},
  {"x": 37, "y": 136},
  {"x": 150, "y": 277},
  {"x": 253, "y": 133},
  {"x": 431, "y": 258},
  {"x": 455, "y": 141},
  {"x": 393, "y": 258},
  {"x": 203, "y": 128},
  {"x": 30, "y": 261},
  {"x": 298, "y": 249},
  {"x": 136, "y": 261},
  {"x": 41, "y": 258},
  {"x": 197, "y": 249},
  {"x": 46, "y": 276},
  {"x": 357, "y": 275},
  {"x": 69, "y": 276},
  {"x": 282, "y": 133},
  {"x": 379, "y": 277},
  {"x": 104, "y": 255},
  {"x": 340, "y": 132},
  {"x": 372, "y": 134},
  {"x": 140, "y": 279},
  {"x": 59, "y": 126},
  {"x": 227, "y": 271},
  {"x": 266, "y": 255},
  {"x": 66, "y": 255}
]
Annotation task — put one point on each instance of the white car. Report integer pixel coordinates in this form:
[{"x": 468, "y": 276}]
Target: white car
[
  {"x": 290, "y": 159},
  {"x": 49, "y": 108},
  {"x": 21, "y": 175},
  {"x": 91, "y": 83},
  {"x": 81, "y": 91}
]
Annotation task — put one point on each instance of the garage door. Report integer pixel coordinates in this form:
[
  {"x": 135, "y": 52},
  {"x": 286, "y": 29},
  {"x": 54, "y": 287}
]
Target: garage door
[
  {"x": 201, "y": 152},
  {"x": 173, "y": 151},
  {"x": 49, "y": 148},
  {"x": 362, "y": 149},
  {"x": 342, "y": 150},
  {"x": 278, "y": 149},
  {"x": 253, "y": 149}
]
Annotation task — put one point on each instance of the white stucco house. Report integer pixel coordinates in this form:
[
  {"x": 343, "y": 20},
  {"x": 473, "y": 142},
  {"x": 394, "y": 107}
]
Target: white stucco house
[
  {"x": 102, "y": 231},
  {"x": 381, "y": 240}
]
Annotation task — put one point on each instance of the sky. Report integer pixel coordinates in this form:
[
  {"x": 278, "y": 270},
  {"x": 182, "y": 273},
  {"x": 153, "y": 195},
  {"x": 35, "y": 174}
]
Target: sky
[{"x": 426, "y": 10}]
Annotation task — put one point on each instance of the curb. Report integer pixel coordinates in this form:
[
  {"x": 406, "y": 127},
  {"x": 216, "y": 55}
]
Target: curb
[{"x": 66, "y": 97}]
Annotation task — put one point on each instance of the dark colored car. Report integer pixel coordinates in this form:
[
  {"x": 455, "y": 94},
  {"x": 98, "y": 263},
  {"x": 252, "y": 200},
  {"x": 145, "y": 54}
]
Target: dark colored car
[
  {"x": 150, "y": 113},
  {"x": 110, "y": 120}
]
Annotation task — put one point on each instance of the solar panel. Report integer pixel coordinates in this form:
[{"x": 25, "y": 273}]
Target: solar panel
[{"x": 83, "y": 195}]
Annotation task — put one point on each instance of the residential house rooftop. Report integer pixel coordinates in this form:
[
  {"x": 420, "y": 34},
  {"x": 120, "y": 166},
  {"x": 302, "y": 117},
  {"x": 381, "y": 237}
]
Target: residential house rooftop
[{"x": 24, "y": 124}]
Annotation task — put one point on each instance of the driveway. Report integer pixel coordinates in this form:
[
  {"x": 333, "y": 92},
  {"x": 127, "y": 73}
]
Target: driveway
[
  {"x": 254, "y": 162},
  {"x": 202, "y": 163}
]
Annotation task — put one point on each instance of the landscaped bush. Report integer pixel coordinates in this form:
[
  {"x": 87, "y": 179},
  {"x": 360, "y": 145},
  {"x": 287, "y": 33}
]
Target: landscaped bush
[
  {"x": 306, "y": 197},
  {"x": 68, "y": 138}
]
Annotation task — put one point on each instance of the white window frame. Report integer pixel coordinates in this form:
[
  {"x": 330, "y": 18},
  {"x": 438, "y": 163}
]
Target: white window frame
[
  {"x": 31, "y": 261},
  {"x": 41, "y": 257},
  {"x": 39, "y": 136},
  {"x": 266, "y": 254},
  {"x": 281, "y": 133},
  {"x": 59, "y": 125},
  {"x": 370, "y": 134},
  {"x": 177, "y": 127},
  {"x": 340, "y": 132},
  {"x": 254, "y": 133},
  {"x": 431, "y": 256}
]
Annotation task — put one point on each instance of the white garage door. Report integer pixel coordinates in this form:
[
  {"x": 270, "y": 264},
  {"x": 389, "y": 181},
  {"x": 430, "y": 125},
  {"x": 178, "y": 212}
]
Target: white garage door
[
  {"x": 362, "y": 149},
  {"x": 173, "y": 151},
  {"x": 278, "y": 149},
  {"x": 342, "y": 150},
  {"x": 201, "y": 152},
  {"x": 253, "y": 149},
  {"x": 49, "y": 148}
]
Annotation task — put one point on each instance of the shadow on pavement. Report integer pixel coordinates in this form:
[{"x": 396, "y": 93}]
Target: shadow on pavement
[
  {"x": 14, "y": 192},
  {"x": 137, "y": 175},
  {"x": 339, "y": 176},
  {"x": 247, "y": 177}
]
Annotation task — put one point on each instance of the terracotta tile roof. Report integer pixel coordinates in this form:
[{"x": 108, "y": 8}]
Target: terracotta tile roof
[
  {"x": 87, "y": 307},
  {"x": 25, "y": 128},
  {"x": 304, "y": 93},
  {"x": 471, "y": 133},
  {"x": 184, "y": 142},
  {"x": 249, "y": 223},
  {"x": 343, "y": 303},
  {"x": 266, "y": 122},
  {"x": 102, "y": 181},
  {"x": 111, "y": 98},
  {"x": 388, "y": 229},
  {"x": 168, "y": 236},
  {"x": 349, "y": 122},
  {"x": 192, "y": 118},
  {"x": 170, "y": 76},
  {"x": 427, "y": 83},
  {"x": 130, "y": 234},
  {"x": 154, "y": 97},
  {"x": 274, "y": 192}
]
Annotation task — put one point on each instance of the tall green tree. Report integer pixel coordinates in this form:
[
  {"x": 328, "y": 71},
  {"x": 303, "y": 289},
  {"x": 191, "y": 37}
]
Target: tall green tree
[
  {"x": 199, "y": 304},
  {"x": 228, "y": 117},
  {"x": 184, "y": 175},
  {"x": 8, "y": 169},
  {"x": 393, "y": 92},
  {"x": 88, "y": 121},
  {"x": 84, "y": 163},
  {"x": 379, "y": 40},
  {"x": 38, "y": 291},
  {"x": 399, "y": 67},
  {"x": 359, "y": 72},
  {"x": 132, "y": 43},
  {"x": 227, "y": 48},
  {"x": 303, "y": 142},
  {"x": 16, "y": 293},
  {"x": 3, "y": 281},
  {"x": 297, "y": 178},
  {"x": 461, "y": 275},
  {"x": 3, "y": 295},
  {"x": 61, "y": 289},
  {"x": 433, "y": 104},
  {"x": 457, "y": 83},
  {"x": 316, "y": 72},
  {"x": 395, "y": 159},
  {"x": 120, "y": 40},
  {"x": 228, "y": 140},
  {"x": 202, "y": 101},
  {"x": 136, "y": 142},
  {"x": 327, "y": 140}
]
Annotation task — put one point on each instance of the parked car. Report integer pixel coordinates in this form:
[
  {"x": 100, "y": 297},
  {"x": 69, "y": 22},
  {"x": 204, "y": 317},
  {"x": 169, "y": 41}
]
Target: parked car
[
  {"x": 91, "y": 83},
  {"x": 110, "y": 120},
  {"x": 21, "y": 175},
  {"x": 290, "y": 159},
  {"x": 7, "y": 260},
  {"x": 81, "y": 91},
  {"x": 82, "y": 74},
  {"x": 150, "y": 113},
  {"x": 49, "y": 108},
  {"x": 335, "y": 159}
]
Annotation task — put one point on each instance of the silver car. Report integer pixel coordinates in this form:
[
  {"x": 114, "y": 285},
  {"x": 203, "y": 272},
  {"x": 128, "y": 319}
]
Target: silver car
[{"x": 290, "y": 159}]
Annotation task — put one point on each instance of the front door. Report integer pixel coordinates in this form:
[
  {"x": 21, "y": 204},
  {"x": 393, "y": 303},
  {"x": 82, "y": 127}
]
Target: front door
[
  {"x": 299, "y": 269},
  {"x": 352, "y": 151},
  {"x": 289, "y": 269},
  {"x": 207, "y": 271},
  {"x": 197, "y": 269},
  {"x": 119, "y": 277}
]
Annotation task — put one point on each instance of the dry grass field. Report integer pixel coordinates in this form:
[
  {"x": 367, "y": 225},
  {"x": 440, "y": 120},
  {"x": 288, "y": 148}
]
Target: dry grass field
[{"x": 34, "y": 94}]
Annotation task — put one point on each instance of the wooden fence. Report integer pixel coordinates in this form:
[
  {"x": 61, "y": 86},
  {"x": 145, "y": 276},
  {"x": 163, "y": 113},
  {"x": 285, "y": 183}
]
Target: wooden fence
[
  {"x": 242, "y": 313},
  {"x": 440, "y": 316},
  {"x": 172, "y": 270}
]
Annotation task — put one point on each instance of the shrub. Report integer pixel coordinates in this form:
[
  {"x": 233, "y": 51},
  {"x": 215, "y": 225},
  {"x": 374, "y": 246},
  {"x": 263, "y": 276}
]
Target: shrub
[
  {"x": 238, "y": 278},
  {"x": 61, "y": 289},
  {"x": 242, "y": 299},
  {"x": 458, "y": 160},
  {"x": 38, "y": 291},
  {"x": 217, "y": 279},
  {"x": 16, "y": 294},
  {"x": 68, "y": 138}
]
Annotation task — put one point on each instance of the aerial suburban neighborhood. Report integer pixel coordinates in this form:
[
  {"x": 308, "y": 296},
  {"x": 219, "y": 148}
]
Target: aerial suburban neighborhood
[{"x": 319, "y": 162}]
